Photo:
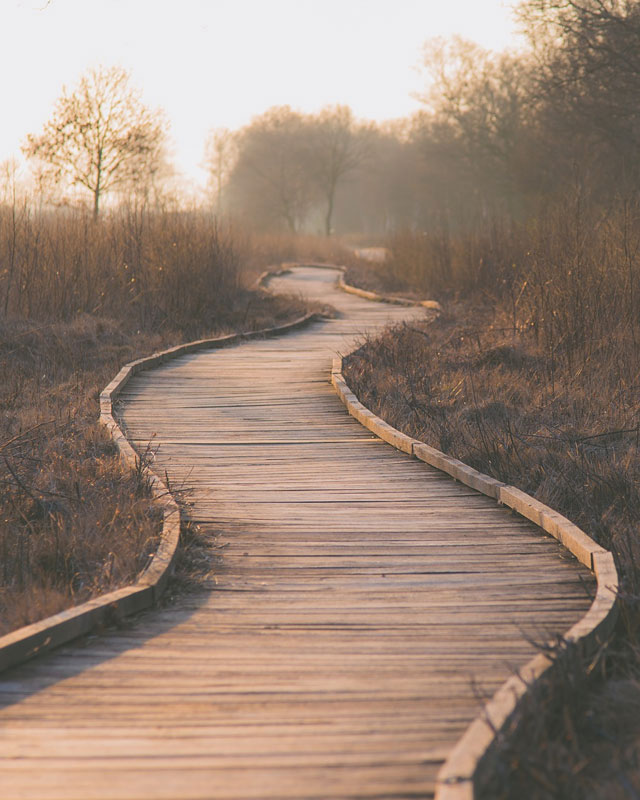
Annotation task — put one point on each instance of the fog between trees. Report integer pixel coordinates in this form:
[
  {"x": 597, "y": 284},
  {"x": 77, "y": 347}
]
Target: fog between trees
[{"x": 500, "y": 134}]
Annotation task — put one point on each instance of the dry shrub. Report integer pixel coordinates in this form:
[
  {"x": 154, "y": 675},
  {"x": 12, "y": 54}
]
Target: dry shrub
[
  {"x": 61, "y": 543},
  {"x": 575, "y": 736},
  {"x": 532, "y": 375},
  {"x": 376, "y": 278},
  {"x": 440, "y": 263}
]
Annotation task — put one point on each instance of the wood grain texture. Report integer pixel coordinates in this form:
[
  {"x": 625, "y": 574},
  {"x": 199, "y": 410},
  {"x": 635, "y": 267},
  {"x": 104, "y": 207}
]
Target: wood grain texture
[{"x": 361, "y": 605}]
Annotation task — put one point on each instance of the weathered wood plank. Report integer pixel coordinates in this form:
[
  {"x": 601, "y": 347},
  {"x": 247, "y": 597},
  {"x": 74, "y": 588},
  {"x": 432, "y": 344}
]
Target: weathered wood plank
[{"x": 359, "y": 601}]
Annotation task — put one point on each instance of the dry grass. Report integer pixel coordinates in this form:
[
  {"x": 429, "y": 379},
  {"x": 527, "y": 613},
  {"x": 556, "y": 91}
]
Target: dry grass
[
  {"x": 535, "y": 380},
  {"x": 375, "y": 278},
  {"x": 74, "y": 522},
  {"x": 77, "y": 300}
]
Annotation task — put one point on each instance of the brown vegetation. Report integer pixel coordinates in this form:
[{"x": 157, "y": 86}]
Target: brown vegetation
[
  {"x": 77, "y": 300},
  {"x": 531, "y": 375},
  {"x": 276, "y": 248}
]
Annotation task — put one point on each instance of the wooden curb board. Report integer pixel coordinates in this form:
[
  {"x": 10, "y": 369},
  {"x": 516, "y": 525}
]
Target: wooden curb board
[{"x": 456, "y": 778}]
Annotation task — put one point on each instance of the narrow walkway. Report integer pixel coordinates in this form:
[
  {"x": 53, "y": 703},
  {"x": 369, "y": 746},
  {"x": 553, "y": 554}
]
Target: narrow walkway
[{"x": 361, "y": 601}]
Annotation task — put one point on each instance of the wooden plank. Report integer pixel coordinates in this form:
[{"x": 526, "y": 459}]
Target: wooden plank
[{"x": 358, "y": 600}]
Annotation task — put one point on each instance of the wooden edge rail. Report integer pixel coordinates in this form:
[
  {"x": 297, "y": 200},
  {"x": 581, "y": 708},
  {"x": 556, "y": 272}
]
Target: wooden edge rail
[
  {"x": 456, "y": 779},
  {"x": 39, "y": 637},
  {"x": 286, "y": 267}
]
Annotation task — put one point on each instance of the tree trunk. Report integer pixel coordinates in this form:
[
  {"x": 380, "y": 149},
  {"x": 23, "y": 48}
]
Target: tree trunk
[
  {"x": 329, "y": 215},
  {"x": 331, "y": 187}
]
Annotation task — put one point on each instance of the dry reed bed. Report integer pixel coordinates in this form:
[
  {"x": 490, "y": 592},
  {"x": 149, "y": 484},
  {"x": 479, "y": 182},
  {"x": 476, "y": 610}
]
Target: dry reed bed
[
  {"x": 79, "y": 299},
  {"x": 531, "y": 375}
]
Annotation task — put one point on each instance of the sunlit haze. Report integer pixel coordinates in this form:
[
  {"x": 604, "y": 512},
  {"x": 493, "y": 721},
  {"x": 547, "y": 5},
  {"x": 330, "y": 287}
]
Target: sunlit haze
[{"x": 213, "y": 63}]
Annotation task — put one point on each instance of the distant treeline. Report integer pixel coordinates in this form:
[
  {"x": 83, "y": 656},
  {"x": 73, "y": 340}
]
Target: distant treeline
[{"x": 500, "y": 134}]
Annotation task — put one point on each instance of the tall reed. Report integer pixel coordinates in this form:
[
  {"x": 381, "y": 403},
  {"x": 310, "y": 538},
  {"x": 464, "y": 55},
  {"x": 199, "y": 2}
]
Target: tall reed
[{"x": 156, "y": 269}]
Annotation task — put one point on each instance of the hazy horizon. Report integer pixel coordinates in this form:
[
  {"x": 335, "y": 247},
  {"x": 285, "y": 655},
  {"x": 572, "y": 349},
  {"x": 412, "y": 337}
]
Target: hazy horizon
[{"x": 220, "y": 63}]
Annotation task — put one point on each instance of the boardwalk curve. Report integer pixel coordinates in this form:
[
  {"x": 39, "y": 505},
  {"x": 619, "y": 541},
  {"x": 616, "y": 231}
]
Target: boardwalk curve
[
  {"x": 29, "y": 641},
  {"x": 359, "y": 601}
]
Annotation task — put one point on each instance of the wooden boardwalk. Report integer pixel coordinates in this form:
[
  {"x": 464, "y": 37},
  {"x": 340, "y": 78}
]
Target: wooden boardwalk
[{"x": 361, "y": 604}]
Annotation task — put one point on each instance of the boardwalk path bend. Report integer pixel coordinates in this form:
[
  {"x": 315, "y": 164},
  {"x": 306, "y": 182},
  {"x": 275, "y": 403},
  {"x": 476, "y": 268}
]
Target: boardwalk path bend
[{"x": 357, "y": 596}]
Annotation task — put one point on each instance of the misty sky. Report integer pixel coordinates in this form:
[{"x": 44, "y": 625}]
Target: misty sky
[{"x": 212, "y": 63}]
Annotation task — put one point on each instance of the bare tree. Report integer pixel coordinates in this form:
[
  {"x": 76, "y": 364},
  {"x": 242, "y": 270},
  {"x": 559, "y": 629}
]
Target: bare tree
[
  {"x": 100, "y": 136},
  {"x": 9, "y": 180},
  {"x": 271, "y": 180},
  {"x": 339, "y": 147},
  {"x": 588, "y": 81},
  {"x": 478, "y": 110}
]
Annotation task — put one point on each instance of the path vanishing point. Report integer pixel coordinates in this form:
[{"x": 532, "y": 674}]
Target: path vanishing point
[{"x": 361, "y": 604}]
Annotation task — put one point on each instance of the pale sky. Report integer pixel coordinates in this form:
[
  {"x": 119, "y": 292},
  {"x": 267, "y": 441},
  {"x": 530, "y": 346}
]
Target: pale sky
[{"x": 214, "y": 63}]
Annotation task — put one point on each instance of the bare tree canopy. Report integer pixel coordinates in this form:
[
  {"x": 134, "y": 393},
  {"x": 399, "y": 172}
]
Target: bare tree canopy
[
  {"x": 499, "y": 135},
  {"x": 339, "y": 147},
  {"x": 588, "y": 78},
  {"x": 285, "y": 167},
  {"x": 478, "y": 106},
  {"x": 271, "y": 179},
  {"x": 100, "y": 136}
]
